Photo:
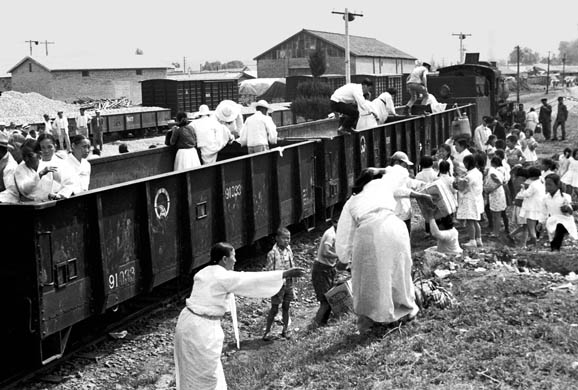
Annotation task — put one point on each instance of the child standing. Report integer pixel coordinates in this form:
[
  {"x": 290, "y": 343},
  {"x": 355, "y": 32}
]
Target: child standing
[
  {"x": 445, "y": 154},
  {"x": 560, "y": 220},
  {"x": 519, "y": 176},
  {"x": 471, "y": 201},
  {"x": 497, "y": 197},
  {"x": 570, "y": 178},
  {"x": 529, "y": 146},
  {"x": 280, "y": 257},
  {"x": 323, "y": 273},
  {"x": 533, "y": 204},
  {"x": 427, "y": 173},
  {"x": 563, "y": 162}
]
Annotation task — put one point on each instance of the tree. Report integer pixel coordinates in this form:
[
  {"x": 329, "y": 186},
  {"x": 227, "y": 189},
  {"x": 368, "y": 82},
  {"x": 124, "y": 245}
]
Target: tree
[
  {"x": 570, "y": 49},
  {"x": 527, "y": 56},
  {"x": 317, "y": 62},
  {"x": 139, "y": 52},
  {"x": 177, "y": 65},
  {"x": 217, "y": 65}
]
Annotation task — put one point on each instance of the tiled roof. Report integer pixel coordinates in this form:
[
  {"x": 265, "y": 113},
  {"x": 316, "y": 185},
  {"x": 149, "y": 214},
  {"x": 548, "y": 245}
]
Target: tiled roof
[
  {"x": 201, "y": 76},
  {"x": 104, "y": 62}
]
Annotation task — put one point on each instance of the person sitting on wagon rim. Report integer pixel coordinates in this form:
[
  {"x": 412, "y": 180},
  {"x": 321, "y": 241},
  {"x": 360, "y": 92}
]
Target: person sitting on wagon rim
[
  {"x": 349, "y": 100},
  {"x": 259, "y": 130}
]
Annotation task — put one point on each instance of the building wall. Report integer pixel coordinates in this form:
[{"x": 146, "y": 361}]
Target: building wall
[
  {"x": 102, "y": 84},
  {"x": 376, "y": 65},
  {"x": 29, "y": 77},
  {"x": 71, "y": 85},
  {"x": 5, "y": 84}
]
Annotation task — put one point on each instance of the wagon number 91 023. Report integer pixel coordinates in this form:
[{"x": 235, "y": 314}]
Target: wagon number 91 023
[
  {"x": 121, "y": 278},
  {"x": 233, "y": 191}
]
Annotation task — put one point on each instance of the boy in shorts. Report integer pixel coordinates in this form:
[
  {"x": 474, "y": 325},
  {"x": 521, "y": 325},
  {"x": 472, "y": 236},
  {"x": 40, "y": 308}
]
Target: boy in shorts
[{"x": 280, "y": 257}]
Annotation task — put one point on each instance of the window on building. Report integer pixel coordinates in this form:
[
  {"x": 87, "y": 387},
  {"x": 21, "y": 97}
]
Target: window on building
[
  {"x": 85, "y": 73},
  {"x": 30, "y": 66},
  {"x": 139, "y": 72}
]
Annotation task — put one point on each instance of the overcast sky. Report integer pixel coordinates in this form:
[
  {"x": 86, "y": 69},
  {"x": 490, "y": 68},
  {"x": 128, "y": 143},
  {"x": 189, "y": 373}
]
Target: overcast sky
[{"x": 225, "y": 30}]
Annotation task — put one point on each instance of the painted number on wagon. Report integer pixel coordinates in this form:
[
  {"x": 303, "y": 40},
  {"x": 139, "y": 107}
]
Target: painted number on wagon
[
  {"x": 233, "y": 191},
  {"x": 121, "y": 278}
]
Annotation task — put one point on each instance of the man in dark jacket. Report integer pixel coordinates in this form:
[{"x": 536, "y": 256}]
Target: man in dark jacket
[
  {"x": 545, "y": 118},
  {"x": 561, "y": 118}
]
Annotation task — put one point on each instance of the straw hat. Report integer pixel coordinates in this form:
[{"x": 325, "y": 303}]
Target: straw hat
[
  {"x": 4, "y": 141},
  {"x": 227, "y": 111},
  {"x": 204, "y": 110},
  {"x": 262, "y": 103},
  {"x": 401, "y": 156}
]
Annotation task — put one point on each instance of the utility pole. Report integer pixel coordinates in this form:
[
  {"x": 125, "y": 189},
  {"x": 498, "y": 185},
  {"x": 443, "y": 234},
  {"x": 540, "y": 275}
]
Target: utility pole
[
  {"x": 548, "y": 75},
  {"x": 564, "y": 71},
  {"x": 31, "y": 42},
  {"x": 462, "y": 36},
  {"x": 518, "y": 75},
  {"x": 46, "y": 43},
  {"x": 184, "y": 65},
  {"x": 348, "y": 17}
]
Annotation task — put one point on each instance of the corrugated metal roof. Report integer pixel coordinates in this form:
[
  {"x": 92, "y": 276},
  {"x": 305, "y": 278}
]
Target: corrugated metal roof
[
  {"x": 358, "y": 46},
  {"x": 213, "y": 76},
  {"x": 94, "y": 63}
]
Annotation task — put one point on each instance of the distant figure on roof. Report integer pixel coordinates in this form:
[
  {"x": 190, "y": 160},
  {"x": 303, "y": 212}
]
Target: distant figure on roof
[
  {"x": 212, "y": 136},
  {"x": 229, "y": 113},
  {"x": 417, "y": 84},
  {"x": 259, "y": 130},
  {"x": 349, "y": 100}
]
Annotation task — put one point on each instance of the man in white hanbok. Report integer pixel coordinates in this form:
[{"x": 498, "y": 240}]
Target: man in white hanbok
[
  {"x": 212, "y": 136},
  {"x": 199, "y": 336}
]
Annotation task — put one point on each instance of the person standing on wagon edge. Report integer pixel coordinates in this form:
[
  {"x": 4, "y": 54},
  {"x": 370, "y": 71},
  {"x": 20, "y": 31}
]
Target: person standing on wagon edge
[
  {"x": 417, "y": 84},
  {"x": 349, "y": 100},
  {"x": 259, "y": 130},
  {"x": 199, "y": 336}
]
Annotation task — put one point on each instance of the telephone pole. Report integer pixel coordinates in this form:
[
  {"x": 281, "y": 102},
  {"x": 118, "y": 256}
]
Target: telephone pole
[
  {"x": 564, "y": 71},
  {"x": 31, "y": 42},
  {"x": 462, "y": 36},
  {"x": 348, "y": 17},
  {"x": 184, "y": 65},
  {"x": 548, "y": 75},
  {"x": 46, "y": 43},
  {"x": 518, "y": 75}
]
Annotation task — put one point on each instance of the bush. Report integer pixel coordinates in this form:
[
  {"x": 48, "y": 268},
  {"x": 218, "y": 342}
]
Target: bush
[{"x": 312, "y": 101}]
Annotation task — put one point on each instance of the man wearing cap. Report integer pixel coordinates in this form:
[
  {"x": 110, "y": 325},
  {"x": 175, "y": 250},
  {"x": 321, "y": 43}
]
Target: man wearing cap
[
  {"x": 403, "y": 186},
  {"x": 561, "y": 118},
  {"x": 96, "y": 124},
  {"x": 212, "y": 136},
  {"x": 545, "y": 118},
  {"x": 229, "y": 113},
  {"x": 82, "y": 121},
  {"x": 259, "y": 130},
  {"x": 61, "y": 127},
  {"x": 417, "y": 84},
  {"x": 349, "y": 100},
  {"x": 7, "y": 162}
]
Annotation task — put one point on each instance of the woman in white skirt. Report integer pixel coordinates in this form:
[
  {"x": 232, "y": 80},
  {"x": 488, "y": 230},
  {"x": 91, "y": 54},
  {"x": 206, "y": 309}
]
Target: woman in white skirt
[{"x": 184, "y": 138}]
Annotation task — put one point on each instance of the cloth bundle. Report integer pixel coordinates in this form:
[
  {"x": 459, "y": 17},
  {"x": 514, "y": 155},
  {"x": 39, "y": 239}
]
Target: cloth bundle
[
  {"x": 444, "y": 201},
  {"x": 428, "y": 292}
]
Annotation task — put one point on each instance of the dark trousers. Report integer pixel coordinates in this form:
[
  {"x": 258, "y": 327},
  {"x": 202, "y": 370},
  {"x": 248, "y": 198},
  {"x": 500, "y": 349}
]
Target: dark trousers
[
  {"x": 558, "y": 237},
  {"x": 322, "y": 276},
  {"x": 563, "y": 125},
  {"x": 350, "y": 112},
  {"x": 546, "y": 129}
]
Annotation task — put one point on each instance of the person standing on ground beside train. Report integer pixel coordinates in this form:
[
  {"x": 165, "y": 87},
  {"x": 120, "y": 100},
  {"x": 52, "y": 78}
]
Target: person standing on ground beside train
[
  {"x": 185, "y": 139},
  {"x": 82, "y": 121},
  {"x": 561, "y": 118},
  {"x": 212, "y": 136},
  {"x": 229, "y": 113},
  {"x": 60, "y": 126},
  {"x": 532, "y": 119},
  {"x": 545, "y": 118},
  {"x": 259, "y": 130},
  {"x": 47, "y": 125},
  {"x": 520, "y": 116},
  {"x": 96, "y": 124},
  {"x": 482, "y": 133},
  {"x": 417, "y": 84},
  {"x": 349, "y": 100},
  {"x": 199, "y": 336}
]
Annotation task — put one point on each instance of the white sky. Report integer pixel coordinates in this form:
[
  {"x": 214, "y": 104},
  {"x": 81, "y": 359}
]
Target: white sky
[{"x": 226, "y": 30}]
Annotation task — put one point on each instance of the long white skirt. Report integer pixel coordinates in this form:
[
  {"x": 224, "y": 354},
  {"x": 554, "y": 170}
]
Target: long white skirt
[
  {"x": 187, "y": 159},
  {"x": 198, "y": 347},
  {"x": 381, "y": 283}
]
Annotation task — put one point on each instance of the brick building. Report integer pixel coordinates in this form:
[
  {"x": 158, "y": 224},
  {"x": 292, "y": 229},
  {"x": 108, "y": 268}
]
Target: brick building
[
  {"x": 71, "y": 79},
  {"x": 368, "y": 55}
]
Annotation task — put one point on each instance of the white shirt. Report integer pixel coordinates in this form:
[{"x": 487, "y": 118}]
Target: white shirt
[
  {"x": 56, "y": 177},
  {"x": 401, "y": 185},
  {"x": 82, "y": 120},
  {"x": 427, "y": 175},
  {"x": 60, "y": 123},
  {"x": 212, "y": 136},
  {"x": 387, "y": 99},
  {"x": 8, "y": 166},
  {"x": 481, "y": 135},
  {"x": 555, "y": 216},
  {"x": 258, "y": 130},
  {"x": 459, "y": 167},
  {"x": 76, "y": 176},
  {"x": 418, "y": 75},
  {"x": 352, "y": 93}
]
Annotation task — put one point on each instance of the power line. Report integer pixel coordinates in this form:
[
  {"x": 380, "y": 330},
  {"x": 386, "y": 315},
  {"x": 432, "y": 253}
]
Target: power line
[{"x": 30, "y": 43}]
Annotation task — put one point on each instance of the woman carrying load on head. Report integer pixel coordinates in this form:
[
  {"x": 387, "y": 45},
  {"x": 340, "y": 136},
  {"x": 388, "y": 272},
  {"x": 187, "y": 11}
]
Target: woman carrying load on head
[
  {"x": 184, "y": 138},
  {"x": 199, "y": 336},
  {"x": 376, "y": 242}
]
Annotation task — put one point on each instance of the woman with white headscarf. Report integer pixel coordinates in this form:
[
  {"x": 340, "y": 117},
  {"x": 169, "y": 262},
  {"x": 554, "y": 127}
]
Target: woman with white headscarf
[{"x": 376, "y": 242}]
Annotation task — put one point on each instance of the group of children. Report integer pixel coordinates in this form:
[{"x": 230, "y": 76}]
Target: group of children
[{"x": 506, "y": 183}]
